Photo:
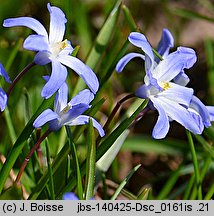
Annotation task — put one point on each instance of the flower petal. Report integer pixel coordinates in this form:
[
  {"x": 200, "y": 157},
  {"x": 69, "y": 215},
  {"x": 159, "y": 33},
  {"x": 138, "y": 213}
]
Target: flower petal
[
  {"x": 85, "y": 96},
  {"x": 201, "y": 109},
  {"x": 69, "y": 196},
  {"x": 57, "y": 78},
  {"x": 83, "y": 119},
  {"x": 174, "y": 63},
  {"x": 4, "y": 74},
  {"x": 3, "y": 99},
  {"x": 45, "y": 117},
  {"x": 166, "y": 42},
  {"x": 57, "y": 24},
  {"x": 139, "y": 40},
  {"x": 29, "y": 22},
  {"x": 125, "y": 60},
  {"x": 181, "y": 79},
  {"x": 162, "y": 125},
  {"x": 84, "y": 71},
  {"x": 211, "y": 112},
  {"x": 180, "y": 114},
  {"x": 36, "y": 43},
  {"x": 73, "y": 113},
  {"x": 61, "y": 98},
  {"x": 42, "y": 58},
  {"x": 177, "y": 93}
]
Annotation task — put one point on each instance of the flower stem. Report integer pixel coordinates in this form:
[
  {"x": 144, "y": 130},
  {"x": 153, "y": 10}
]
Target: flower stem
[
  {"x": 114, "y": 111},
  {"x": 195, "y": 164},
  {"x": 35, "y": 147},
  {"x": 140, "y": 115},
  {"x": 19, "y": 76}
]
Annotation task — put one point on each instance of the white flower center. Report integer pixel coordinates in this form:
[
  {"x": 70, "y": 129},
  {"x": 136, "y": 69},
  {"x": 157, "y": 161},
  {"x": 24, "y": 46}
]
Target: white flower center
[{"x": 58, "y": 47}]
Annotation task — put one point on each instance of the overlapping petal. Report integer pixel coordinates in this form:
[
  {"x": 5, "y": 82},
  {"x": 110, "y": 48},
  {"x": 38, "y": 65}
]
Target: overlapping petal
[
  {"x": 125, "y": 60},
  {"x": 36, "y": 43},
  {"x": 181, "y": 79},
  {"x": 161, "y": 127},
  {"x": 166, "y": 42},
  {"x": 57, "y": 24},
  {"x": 57, "y": 78},
  {"x": 84, "y": 71},
  {"x": 83, "y": 119},
  {"x": 45, "y": 117},
  {"x": 178, "y": 94},
  {"x": 85, "y": 96},
  {"x": 174, "y": 63},
  {"x": 61, "y": 98},
  {"x": 180, "y": 114},
  {"x": 72, "y": 113},
  {"x": 211, "y": 112},
  {"x": 29, "y": 22},
  {"x": 42, "y": 58},
  {"x": 201, "y": 109}
]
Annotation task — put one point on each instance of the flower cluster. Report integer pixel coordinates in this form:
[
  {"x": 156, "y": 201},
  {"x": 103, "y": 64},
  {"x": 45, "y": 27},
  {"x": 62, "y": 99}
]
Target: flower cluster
[
  {"x": 165, "y": 85},
  {"x": 53, "y": 49}
]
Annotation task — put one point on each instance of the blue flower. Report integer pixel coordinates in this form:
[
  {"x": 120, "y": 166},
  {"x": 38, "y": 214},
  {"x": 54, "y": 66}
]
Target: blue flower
[
  {"x": 68, "y": 113},
  {"x": 171, "y": 99},
  {"x": 69, "y": 196},
  {"x": 52, "y": 48},
  {"x": 3, "y": 95}
]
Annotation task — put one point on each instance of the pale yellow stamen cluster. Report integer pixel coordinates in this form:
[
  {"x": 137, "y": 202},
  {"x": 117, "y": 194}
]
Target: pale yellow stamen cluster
[
  {"x": 58, "y": 47},
  {"x": 65, "y": 110},
  {"x": 165, "y": 85}
]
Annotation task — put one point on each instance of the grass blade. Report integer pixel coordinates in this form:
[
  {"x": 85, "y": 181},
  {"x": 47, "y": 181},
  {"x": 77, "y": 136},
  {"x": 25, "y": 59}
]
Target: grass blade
[
  {"x": 124, "y": 182},
  {"x": 76, "y": 163},
  {"x": 19, "y": 144},
  {"x": 101, "y": 43},
  {"x": 90, "y": 163},
  {"x": 50, "y": 173}
]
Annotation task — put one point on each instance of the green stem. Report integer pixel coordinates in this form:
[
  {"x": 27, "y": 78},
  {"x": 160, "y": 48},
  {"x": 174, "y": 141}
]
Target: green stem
[{"x": 195, "y": 164}]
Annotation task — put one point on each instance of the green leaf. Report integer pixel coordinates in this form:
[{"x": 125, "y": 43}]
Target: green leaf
[
  {"x": 90, "y": 163},
  {"x": 50, "y": 173},
  {"x": 145, "y": 193},
  {"x": 129, "y": 18},
  {"x": 55, "y": 166},
  {"x": 12, "y": 193},
  {"x": 145, "y": 144},
  {"x": 124, "y": 182},
  {"x": 100, "y": 44},
  {"x": 19, "y": 144},
  {"x": 76, "y": 163},
  {"x": 106, "y": 160},
  {"x": 189, "y": 14},
  {"x": 106, "y": 144},
  {"x": 169, "y": 184}
]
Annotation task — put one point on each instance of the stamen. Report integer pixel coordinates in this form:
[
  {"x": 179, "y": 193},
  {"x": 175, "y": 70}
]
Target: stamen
[
  {"x": 58, "y": 47},
  {"x": 165, "y": 85},
  {"x": 65, "y": 110}
]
